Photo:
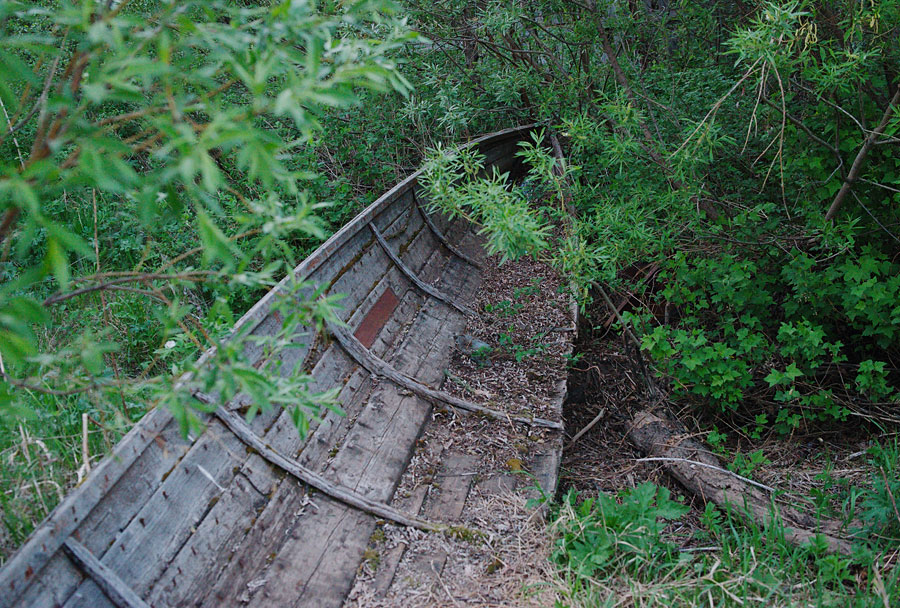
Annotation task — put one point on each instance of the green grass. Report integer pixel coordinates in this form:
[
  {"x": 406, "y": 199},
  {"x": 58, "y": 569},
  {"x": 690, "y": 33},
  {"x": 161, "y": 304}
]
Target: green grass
[{"x": 634, "y": 548}]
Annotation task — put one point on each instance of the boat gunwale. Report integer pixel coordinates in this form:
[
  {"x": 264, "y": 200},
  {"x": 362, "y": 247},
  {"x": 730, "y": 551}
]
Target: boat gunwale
[{"x": 24, "y": 567}]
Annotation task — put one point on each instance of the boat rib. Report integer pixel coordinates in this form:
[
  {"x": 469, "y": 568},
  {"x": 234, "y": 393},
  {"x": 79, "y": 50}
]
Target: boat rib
[
  {"x": 380, "y": 368},
  {"x": 440, "y": 236},
  {"x": 409, "y": 274},
  {"x": 345, "y": 495}
]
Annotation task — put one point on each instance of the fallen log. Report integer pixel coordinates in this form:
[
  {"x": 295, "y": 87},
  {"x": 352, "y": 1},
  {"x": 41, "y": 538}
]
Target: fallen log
[{"x": 700, "y": 473}]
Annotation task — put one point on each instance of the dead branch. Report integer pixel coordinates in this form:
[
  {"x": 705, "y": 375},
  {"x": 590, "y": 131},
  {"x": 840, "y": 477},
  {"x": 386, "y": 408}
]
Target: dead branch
[{"x": 700, "y": 472}]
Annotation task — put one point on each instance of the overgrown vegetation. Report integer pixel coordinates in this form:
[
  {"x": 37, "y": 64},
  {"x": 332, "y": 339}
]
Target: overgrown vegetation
[
  {"x": 163, "y": 164},
  {"x": 743, "y": 156}
]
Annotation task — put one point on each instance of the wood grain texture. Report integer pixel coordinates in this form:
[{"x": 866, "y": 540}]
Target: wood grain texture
[
  {"x": 437, "y": 294},
  {"x": 381, "y": 368},
  {"x": 120, "y": 594},
  {"x": 440, "y": 235}
]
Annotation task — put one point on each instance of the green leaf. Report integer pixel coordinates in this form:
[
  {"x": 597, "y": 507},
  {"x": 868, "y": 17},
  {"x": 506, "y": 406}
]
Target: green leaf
[
  {"x": 57, "y": 262},
  {"x": 216, "y": 246}
]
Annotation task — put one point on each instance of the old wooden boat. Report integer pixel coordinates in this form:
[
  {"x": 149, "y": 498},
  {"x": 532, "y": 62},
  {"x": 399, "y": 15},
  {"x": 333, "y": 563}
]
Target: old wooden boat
[{"x": 251, "y": 514}]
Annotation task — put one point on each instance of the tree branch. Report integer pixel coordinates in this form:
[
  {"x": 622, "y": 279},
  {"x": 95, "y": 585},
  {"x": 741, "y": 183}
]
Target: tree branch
[{"x": 856, "y": 168}]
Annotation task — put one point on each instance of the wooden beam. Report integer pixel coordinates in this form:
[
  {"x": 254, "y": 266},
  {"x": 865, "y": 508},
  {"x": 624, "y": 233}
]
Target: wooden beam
[
  {"x": 109, "y": 582},
  {"x": 440, "y": 236},
  {"x": 414, "y": 279},
  {"x": 345, "y": 495},
  {"x": 379, "y": 367}
]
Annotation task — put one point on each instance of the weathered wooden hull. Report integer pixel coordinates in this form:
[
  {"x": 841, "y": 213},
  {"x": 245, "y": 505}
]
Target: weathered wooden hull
[{"x": 219, "y": 519}]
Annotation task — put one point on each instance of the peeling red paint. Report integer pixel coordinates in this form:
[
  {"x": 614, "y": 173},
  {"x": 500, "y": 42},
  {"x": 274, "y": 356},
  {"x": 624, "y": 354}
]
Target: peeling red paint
[{"x": 377, "y": 316}]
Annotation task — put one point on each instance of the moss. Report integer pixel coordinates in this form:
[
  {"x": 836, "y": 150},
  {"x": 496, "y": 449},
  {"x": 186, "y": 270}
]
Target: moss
[
  {"x": 464, "y": 533},
  {"x": 372, "y": 557}
]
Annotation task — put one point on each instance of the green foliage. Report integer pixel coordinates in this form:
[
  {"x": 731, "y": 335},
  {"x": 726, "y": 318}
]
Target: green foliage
[
  {"x": 159, "y": 171},
  {"x": 738, "y": 346},
  {"x": 746, "y": 465},
  {"x": 451, "y": 180},
  {"x": 605, "y": 550},
  {"x": 879, "y": 505},
  {"x": 595, "y": 537},
  {"x": 153, "y": 129}
]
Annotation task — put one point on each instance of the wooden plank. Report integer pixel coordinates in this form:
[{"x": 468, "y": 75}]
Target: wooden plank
[
  {"x": 218, "y": 538},
  {"x": 132, "y": 490},
  {"x": 329, "y": 434},
  {"x": 279, "y": 531},
  {"x": 111, "y": 514},
  {"x": 147, "y": 544},
  {"x": 44, "y": 542},
  {"x": 419, "y": 283},
  {"x": 499, "y": 140},
  {"x": 112, "y": 586},
  {"x": 330, "y": 369},
  {"x": 319, "y": 568},
  {"x": 249, "y": 565},
  {"x": 454, "y": 482},
  {"x": 58, "y": 580},
  {"x": 440, "y": 236},
  {"x": 502, "y": 483},
  {"x": 334, "y": 490},
  {"x": 88, "y": 595},
  {"x": 387, "y": 566},
  {"x": 28, "y": 563},
  {"x": 448, "y": 502},
  {"x": 289, "y": 431}
]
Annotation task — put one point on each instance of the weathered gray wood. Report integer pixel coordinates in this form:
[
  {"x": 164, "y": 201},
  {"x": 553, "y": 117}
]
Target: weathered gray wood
[
  {"x": 324, "y": 378},
  {"x": 59, "y": 578},
  {"x": 315, "y": 555},
  {"x": 198, "y": 564},
  {"x": 22, "y": 569},
  {"x": 334, "y": 363},
  {"x": 448, "y": 501},
  {"x": 88, "y": 595},
  {"x": 334, "y": 490},
  {"x": 154, "y": 536},
  {"x": 381, "y": 368},
  {"x": 545, "y": 463},
  {"x": 113, "y": 587},
  {"x": 440, "y": 236},
  {"x": 132, "y": 490},
  {"x": 316, "y": 451},
  {"x": 372, "y": 459},
  {"x": 137, "y": 541},
  {"x": 502, "y": 483},
  {"x": 387, "y": 566},
  {"x": 419, "y": 283},
  {"x": 453, "y": 484},
  {"x": 104, "y": 522}
]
